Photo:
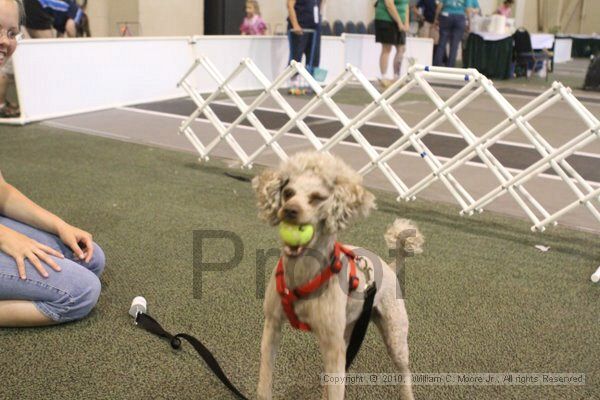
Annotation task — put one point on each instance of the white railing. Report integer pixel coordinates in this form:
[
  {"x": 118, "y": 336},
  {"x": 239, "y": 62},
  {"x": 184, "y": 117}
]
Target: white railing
[{"x": 474, "y": 85}]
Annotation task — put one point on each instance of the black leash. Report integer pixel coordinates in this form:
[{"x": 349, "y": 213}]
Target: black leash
[
  {"x": 358, "y": 334},
  {"x": 152, "y": 326},
  {"x": 360, "y": 329}
]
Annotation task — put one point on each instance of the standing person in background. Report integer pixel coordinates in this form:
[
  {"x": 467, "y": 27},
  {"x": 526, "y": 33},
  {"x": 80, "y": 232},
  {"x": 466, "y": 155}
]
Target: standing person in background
[
  {"x": 451, "y": 18},
  {"x": 38, "y": 22},
  {"x": 391, "y": 25},
  {"x": 253, "y": 23},
  {"x": 305, "y": 14},
  {"x": 505, "y": 8},
  {"x": 426, "y": 9},
  {"x": 69, "y": 21},
  {"x": 65, "y": 16}
]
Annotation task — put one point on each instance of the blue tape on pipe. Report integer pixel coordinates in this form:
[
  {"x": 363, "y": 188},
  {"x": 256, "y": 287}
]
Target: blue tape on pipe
[{"x": 423, "y": 154}]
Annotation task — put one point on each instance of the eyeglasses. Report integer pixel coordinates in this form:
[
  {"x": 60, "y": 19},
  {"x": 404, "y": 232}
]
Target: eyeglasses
[{"x": 11, "y": 35}]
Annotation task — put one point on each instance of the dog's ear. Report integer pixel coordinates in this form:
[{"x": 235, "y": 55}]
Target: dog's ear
[
  {"x": 348, "y": 200},
  {"x": 267, "y": 186}
]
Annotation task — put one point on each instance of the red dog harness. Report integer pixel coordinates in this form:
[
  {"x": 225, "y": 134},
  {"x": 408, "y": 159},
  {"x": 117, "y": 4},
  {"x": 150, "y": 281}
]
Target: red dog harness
[{"x": 288, "y": 297}]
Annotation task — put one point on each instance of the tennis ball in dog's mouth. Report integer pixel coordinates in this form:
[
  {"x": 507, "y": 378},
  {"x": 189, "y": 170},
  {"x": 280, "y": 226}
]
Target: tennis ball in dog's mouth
[{"x": 296, "y": 235}]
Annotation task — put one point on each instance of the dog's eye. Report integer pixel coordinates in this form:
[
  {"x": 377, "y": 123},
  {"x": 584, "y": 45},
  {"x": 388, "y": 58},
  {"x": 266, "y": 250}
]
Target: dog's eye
[
  {"x": 317, "y": 198},
  {"x": 288, "y": 193}
]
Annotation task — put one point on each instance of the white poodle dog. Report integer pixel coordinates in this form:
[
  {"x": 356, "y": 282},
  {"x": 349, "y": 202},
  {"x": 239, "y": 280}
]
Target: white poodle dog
[{"x": 319, "y": 189}]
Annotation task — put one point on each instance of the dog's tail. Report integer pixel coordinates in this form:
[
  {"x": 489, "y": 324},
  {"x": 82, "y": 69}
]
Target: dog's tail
[{"x": 404, "y": 236}]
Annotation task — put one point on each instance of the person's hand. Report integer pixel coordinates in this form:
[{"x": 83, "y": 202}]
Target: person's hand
[
  {"x": 297, "y": 30},
  {"x": 21, "y": 247},
  {"x": 78, "y": 240},
  {"x": 401, "y": 26}
]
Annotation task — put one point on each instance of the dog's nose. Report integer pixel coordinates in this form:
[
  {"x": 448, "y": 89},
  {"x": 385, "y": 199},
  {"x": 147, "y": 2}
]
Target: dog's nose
[{"x": 290, "y": 214}]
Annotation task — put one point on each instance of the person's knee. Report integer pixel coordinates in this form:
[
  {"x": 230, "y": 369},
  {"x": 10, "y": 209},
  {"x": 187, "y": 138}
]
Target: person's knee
[
  {"x": 76, "y": 301},
  {"x": 98, "y": 261}
]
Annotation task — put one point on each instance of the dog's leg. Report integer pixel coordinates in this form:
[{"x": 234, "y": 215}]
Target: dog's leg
[
  {"x": 392, "y": 321},
  {"x": 268, "y": 351},
  {"x": 333, "y": 350}
]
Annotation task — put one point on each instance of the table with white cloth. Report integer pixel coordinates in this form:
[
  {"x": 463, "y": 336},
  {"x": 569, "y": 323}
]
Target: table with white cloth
[{"x": 491, "y": 53}]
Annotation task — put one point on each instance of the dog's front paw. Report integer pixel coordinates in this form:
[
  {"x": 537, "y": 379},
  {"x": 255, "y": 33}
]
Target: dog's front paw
[{"x": 264, "y": 394}]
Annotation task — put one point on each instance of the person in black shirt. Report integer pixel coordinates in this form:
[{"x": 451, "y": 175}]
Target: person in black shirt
[{"x": 305, "y": 15}]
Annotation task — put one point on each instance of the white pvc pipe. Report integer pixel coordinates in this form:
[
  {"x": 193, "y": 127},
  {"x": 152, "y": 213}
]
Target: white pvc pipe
[
  {"x": 246, "y": 111},
  {"x": 562, "y": 152}
]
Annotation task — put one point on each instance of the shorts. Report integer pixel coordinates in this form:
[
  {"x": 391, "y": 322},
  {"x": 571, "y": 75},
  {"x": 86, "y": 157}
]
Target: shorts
[
  {"x": 60, "y": 19},
  {"x": 387, "y": 32},
  {"x": 36, "y": 17}
]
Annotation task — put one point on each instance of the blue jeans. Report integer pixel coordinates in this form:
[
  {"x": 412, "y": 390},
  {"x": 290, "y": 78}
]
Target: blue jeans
[
  {"x": 303, "y": 45},
  {"x": 452, "y": 28},
  {"x": 64, "y": 296}
]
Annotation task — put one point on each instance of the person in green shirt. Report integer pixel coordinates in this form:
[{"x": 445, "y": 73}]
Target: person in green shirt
[{"x": 391, "y": 25}]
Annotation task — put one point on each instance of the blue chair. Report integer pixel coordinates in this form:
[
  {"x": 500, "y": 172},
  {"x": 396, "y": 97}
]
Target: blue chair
[
  {"x": 338, "y": 28},
  {"x": 361, "y": 28},
  {"x": 350, "y": 27},
  {"x": 326, "y": 29},
  {"x": 371, "y": 28}
]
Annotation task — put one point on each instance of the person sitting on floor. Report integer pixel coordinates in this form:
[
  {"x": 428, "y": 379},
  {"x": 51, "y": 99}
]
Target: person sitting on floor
[{"x": 49, "y": 269}]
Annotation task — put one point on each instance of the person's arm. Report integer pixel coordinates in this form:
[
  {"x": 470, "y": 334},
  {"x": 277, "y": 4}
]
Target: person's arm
[
  {"x": 438, "y": 10},
  {"x": 296, "y": 28},
  {"x": 391, "y": 9},
  {"x": 15, "y": 205},
  {"x": 407, "y": 22},
  {"x": 417, "y": 10}
]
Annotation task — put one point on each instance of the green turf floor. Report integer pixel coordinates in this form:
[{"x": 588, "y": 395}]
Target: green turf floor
[{"x": 480, "y": 299}]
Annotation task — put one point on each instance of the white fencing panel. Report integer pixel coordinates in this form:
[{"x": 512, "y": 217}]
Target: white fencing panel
[
  {"x": 58, "y": 77},
  {"x": 474, "y": 84},
  {"x": 269, "y": 52},
  {"x": 63, "y": 77}
]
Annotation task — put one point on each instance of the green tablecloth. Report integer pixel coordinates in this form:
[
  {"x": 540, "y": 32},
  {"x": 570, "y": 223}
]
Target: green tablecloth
[
  {"x": 585, "y": 46},
  {"x": 491, "y": 58}
]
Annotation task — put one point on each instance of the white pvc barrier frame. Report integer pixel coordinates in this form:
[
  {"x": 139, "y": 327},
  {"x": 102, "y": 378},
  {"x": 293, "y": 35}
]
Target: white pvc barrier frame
[
  {"x": 59, "y": 77},
  {"x": 418, "y": 76}
]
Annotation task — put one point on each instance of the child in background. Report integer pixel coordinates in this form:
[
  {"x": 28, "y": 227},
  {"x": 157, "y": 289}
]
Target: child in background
[
  {"x": 253, "y": 23},
  {"x": 506, "y": 8}
]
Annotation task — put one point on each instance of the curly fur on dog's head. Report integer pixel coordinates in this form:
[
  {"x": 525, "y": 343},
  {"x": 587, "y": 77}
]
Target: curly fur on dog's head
[{"x": 324, "y": 188}]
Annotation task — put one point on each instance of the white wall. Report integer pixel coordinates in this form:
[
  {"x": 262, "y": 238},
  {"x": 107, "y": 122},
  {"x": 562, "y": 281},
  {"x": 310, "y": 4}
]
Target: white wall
[
  {"x": 350, "y": 10},
  {"x": 171, "y": 18},
  {"x": 155, "y": 17},
  {"x": 98, "y": 13},
  {"x": 275, "y": 12}
]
